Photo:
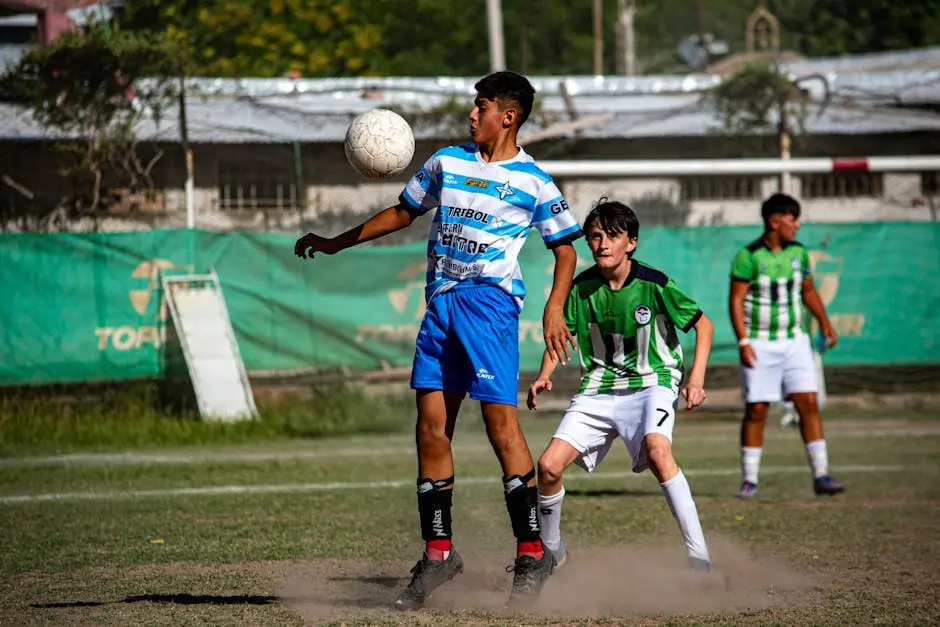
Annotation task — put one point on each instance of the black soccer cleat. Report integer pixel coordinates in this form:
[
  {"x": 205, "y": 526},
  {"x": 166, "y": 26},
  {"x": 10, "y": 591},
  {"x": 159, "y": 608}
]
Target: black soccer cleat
[
  {"x": 427, "y": 576},
  {"x": 529, "y": 575},
  {"x": 827, "y": 485}
]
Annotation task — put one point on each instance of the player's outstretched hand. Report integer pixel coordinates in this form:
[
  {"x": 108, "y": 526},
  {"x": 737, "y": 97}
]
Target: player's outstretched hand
[
  {"x": 694, "y": 396},
  {"x": 310, "y": 244},
  {"x": 557, "y": 337},
  {"x": 535, "y": 388},
  {"x": 748, "y": 356}
]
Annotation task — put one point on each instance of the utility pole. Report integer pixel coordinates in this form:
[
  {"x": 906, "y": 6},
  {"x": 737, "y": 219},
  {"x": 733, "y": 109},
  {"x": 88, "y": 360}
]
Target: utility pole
[
  {"x": 187, "y": 151},
  {"x": 783, "y": 142},
  {"x": 494, "y": 22},
  {"x": 598, "y": 15},
  {"x": 626, "y": 43},
  {"x": 523, "y": 45},
  {"x": 703, "y": 33}
]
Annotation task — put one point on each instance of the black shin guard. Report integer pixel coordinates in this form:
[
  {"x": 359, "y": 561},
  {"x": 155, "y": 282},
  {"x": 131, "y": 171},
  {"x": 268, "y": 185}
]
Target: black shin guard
[
  {"x": 522, "y": 503},
  {"x": 434, "y": 503}
]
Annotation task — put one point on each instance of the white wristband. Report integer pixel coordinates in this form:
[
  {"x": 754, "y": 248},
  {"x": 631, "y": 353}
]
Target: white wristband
[{"x": 744, "y": 342}]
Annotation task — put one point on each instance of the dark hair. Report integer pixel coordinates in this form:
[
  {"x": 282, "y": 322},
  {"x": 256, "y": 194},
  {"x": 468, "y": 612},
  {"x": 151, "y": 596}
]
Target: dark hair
[
  {"x": 613, "y": 217},
  {"x": 508, "y": 88},
  {"x": 779, "y": 205}
]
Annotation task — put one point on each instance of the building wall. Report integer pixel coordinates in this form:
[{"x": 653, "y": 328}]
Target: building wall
[{"x": 254, "y": 186}]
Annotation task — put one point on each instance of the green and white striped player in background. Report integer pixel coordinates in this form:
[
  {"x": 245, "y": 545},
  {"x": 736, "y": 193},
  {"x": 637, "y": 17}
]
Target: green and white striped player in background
[
  {"x": 625, "y": 317},
  {"x": 771, "y": 280}
]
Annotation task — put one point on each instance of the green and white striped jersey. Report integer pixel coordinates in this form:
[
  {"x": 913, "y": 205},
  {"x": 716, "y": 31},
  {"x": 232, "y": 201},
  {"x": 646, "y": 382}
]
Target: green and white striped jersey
[
  {"x": 773, "y": 307},
  {"x": 627, "y": 338}
]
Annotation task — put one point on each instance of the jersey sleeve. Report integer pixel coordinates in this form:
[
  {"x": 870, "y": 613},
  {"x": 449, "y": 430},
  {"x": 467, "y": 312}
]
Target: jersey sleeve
[
  {"x": 423, "y": 191},
  {"x": 742, "y": 268},
  {"x": 682, "y": 310},
  {"x": 805, "y": 264},
  {"x": 553, "y": 218}
]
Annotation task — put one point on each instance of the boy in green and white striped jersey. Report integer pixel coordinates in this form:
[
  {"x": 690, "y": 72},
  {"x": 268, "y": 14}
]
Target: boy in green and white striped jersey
[
  {"x": 771, "y": 280},
  {"x": 625, "y": 316}
]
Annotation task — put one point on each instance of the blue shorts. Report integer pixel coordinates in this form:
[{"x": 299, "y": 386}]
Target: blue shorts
[{"x": 469, "y": 342}]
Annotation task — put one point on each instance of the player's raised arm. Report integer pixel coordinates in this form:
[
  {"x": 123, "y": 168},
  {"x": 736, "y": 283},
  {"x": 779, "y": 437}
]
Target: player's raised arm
[
  {"x": 381, "y": 224},
  {"x": 421, "y": 194}
]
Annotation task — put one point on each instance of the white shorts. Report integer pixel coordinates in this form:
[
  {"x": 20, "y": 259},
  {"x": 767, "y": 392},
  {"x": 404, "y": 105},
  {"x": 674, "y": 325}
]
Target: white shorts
[
  {"x": 593, "y": 422},
  {"x": 783, "y": 367}
]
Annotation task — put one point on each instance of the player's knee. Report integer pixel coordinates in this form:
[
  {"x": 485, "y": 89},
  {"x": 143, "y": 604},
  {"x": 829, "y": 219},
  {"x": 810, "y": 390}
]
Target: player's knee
[
  {"x": 805, "y": 402},
  {"x": 504, "y": 438},
  {"x": 550, "y": 470},
  {"x": 432, "y": 436},
  {"x": 659, "y": 452},
  {"x": 756, "y": 412}
]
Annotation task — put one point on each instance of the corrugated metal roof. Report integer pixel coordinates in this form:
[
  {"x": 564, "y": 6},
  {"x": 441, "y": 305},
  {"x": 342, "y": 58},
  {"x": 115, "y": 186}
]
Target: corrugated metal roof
[
  {"x": 308, "y": 110},
  {"x": 238, "y": 121}
]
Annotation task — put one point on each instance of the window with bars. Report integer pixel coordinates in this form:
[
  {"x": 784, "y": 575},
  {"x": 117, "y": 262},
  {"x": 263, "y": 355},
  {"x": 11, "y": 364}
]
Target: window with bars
[
  {"x": 256, "y": 186},
  {"x": 719, "y": 187},
  {"x": 842, "y": 185}
]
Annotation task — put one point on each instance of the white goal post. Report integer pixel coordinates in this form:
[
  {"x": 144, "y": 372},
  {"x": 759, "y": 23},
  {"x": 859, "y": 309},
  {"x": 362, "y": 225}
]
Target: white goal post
[{"x": 687, "y": 167}]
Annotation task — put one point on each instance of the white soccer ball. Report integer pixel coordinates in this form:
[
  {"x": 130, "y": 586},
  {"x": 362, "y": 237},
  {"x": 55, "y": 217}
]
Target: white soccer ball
[{"x": 379, "y": 144}]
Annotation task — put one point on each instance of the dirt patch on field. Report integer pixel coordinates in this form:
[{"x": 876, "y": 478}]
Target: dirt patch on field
[{"x": 622, "y": 581}]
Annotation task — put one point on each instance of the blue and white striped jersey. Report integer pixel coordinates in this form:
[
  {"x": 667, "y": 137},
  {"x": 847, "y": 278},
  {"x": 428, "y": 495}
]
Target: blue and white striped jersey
[{"x": 485, "y": 211}]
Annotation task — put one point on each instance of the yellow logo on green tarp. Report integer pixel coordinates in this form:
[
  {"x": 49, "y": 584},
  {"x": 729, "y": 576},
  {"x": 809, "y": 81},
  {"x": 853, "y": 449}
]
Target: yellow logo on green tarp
[
  {"x": 826, "y": 271},
  {"x": 130, "y": 337}
]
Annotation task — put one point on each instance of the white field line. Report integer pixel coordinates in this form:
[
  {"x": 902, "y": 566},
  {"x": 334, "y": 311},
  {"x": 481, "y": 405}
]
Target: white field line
[
  {"x": 400, "y": 483},
  {"x": 398, "y": 450}
]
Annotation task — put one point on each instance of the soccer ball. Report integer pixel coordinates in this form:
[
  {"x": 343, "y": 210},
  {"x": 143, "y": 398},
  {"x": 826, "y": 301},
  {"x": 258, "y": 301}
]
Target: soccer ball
[{"x": 379, "y": 144}]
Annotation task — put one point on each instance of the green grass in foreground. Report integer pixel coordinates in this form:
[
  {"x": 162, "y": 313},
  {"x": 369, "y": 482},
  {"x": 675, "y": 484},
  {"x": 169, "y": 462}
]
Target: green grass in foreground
[{"x": 338, "y": 555}]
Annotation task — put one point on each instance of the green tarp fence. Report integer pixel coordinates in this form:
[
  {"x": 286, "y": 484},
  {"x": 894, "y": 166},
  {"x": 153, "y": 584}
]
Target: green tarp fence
[{"x": 88, "y": 307}]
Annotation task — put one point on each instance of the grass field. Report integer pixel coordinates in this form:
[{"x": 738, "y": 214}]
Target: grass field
[{"x": 289, "y": 531}]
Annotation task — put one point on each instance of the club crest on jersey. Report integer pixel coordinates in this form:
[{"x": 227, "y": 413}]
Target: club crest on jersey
[
  {"x": 504, "y": 190},
  {"x": 795, "y": 263},
  {"x": 642, "y": 314}
]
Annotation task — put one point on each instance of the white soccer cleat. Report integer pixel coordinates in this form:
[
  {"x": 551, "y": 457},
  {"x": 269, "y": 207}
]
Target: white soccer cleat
[
  {"x": 560, "y": 554},
  {"x": 789, "y": 419}
]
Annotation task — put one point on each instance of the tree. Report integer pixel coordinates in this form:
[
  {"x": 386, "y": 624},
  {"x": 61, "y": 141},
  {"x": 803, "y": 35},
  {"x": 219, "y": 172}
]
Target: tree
[
  {"x": 91, "y": 89},
  {"x": 837, "y": 27},
  {"x": 264, "y": 38},
  {"x": 759, "y": 99}
]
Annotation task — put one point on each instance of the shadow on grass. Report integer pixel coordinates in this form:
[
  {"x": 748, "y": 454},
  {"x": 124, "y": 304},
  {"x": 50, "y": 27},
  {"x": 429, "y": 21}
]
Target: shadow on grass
[
  {"x": 636, "y": 493},
  {"x": 385, "y": 582},
  {"x": 612, "y": 492},
  {"x": 180, "y": 599}
]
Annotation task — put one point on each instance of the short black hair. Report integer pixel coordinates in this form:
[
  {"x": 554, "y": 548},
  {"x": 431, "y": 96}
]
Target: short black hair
[
  {"x": 613, "y": 217},
  {"x": 779, "y": 205},
  {"x": 508, "y": 88}
]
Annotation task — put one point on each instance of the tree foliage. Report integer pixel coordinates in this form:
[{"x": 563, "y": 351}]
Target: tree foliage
[
  {"x": 325, "y": 38},
  {"x": 837, "y": 27},
  {"x": 87, "y": 88},
  {"x": 264, "y": 38},
  {"x": 753, "y": 98}
]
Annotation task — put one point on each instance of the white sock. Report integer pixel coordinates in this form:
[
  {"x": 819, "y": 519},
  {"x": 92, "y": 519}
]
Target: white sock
[
  {"x": 550, "y": 519},
  {"x": 750, "y": 463},
  {"x": 679, "y": 497},
  {"x": 818, "y": 459}
]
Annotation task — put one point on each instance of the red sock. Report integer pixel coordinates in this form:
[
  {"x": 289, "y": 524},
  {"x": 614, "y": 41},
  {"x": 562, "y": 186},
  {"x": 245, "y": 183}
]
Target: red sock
[
  {"x": 533, "y": 549},
  {"x": 437, "y": 549}
]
